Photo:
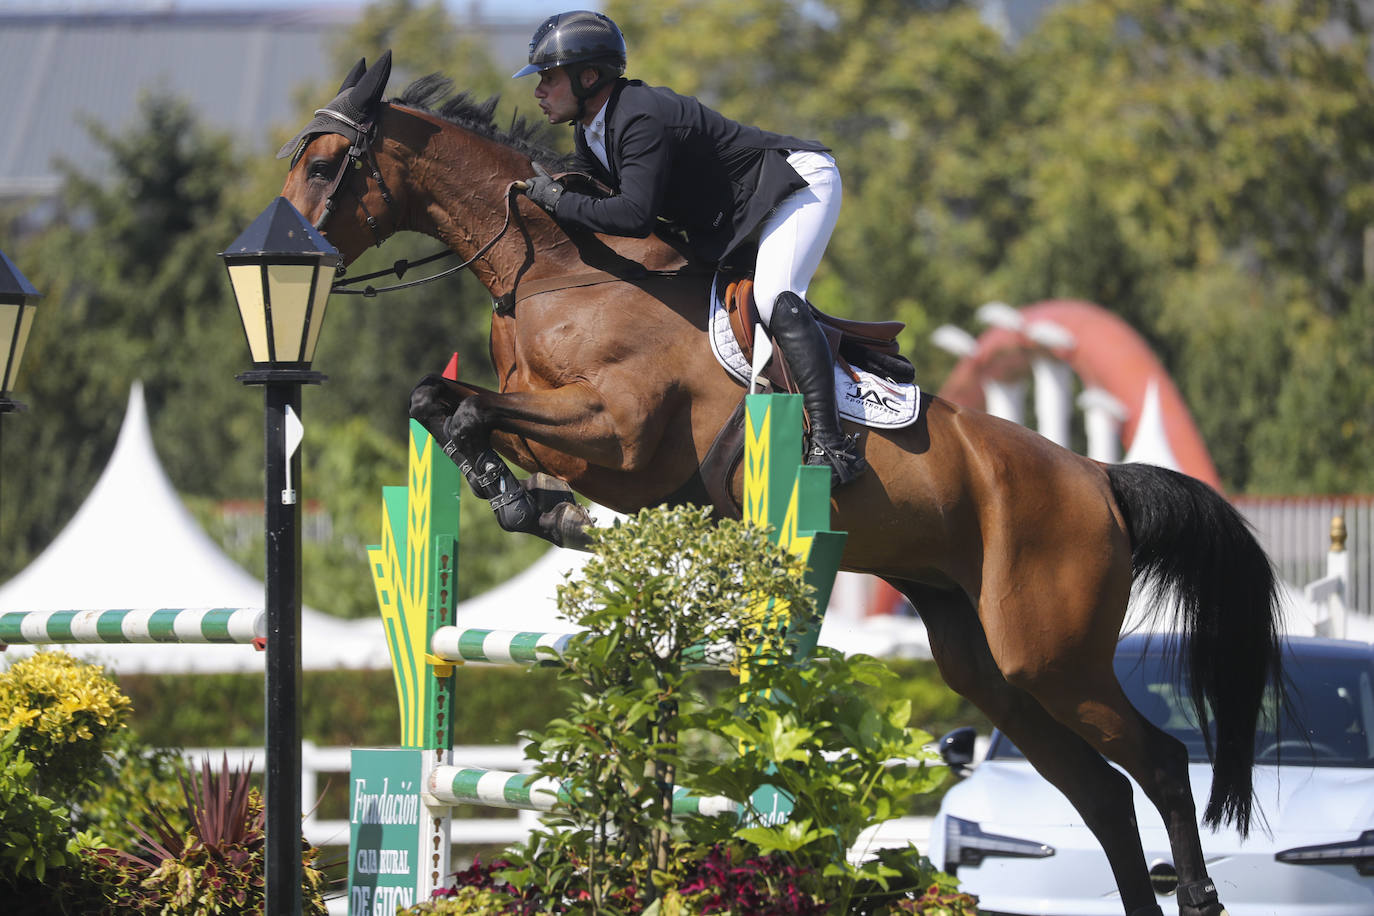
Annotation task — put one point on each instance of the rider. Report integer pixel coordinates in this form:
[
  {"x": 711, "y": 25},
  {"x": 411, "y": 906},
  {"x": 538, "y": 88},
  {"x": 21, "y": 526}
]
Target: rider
[{"x": 719, "y": 182}]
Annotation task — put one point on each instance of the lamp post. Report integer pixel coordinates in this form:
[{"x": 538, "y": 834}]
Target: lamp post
[
  {"x": 16, "y": 319},
  {"x": 281, "y": 268}
]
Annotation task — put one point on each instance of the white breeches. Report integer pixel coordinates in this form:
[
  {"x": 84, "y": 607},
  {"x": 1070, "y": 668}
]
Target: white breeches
[{"x": 794, "y": 236}]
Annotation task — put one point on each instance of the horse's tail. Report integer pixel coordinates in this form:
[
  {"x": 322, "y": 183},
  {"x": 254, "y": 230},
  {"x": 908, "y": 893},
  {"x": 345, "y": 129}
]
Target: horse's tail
[{"x": 1210, "y": 572}]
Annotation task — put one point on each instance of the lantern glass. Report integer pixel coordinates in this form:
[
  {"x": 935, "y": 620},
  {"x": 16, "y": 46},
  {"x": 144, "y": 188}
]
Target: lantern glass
[
  {"x": 248, "y": 290},
  {"x": 290, "y": 289},
  {"x": 16, "y": 320},
  {"x": 320, "y": 302}
]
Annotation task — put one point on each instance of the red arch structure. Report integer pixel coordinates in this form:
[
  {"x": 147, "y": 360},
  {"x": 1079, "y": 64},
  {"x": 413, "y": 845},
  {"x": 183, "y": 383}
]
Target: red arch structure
[{"x": 1106, "y": 353}]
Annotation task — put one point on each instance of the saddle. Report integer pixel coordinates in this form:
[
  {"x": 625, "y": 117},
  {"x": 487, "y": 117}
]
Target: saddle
[{"x": 870, "y": 345}]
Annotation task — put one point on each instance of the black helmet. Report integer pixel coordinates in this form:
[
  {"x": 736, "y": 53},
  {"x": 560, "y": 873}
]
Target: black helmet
[{"x": 579, "y": 37}]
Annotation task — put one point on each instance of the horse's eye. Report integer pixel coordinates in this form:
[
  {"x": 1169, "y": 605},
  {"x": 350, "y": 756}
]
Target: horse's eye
[{"x": 321, "y": 170}]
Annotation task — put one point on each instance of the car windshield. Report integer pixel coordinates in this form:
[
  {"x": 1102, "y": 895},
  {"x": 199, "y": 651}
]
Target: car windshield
[{"x": 1329, "y": 722}]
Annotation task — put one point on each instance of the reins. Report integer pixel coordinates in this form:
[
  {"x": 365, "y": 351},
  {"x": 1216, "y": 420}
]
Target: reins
[
  {"x": 360, "y": 151},
  {"x": 505, "y": 304},
  {"x": 400, "y": 267}
]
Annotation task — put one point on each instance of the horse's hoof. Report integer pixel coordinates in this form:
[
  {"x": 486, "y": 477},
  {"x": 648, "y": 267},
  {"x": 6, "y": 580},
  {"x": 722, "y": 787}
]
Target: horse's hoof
[
  {"x": 548, "y": 491},
  {"x": 568, "y": 525}
]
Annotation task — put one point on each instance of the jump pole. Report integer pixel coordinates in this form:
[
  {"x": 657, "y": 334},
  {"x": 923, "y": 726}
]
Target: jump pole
[
  {"x": 399, "y": 798},
  {"x": 133, "y": 625}
]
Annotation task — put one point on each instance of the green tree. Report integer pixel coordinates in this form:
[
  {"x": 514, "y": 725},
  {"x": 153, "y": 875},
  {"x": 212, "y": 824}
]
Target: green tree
[
  {"x": 131, "y": 291},
  {"x": 1224, "y": 150}
]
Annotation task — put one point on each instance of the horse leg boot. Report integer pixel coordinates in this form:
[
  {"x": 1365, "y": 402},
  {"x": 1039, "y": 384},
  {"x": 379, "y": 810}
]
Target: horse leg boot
[
  {"x": 563, "y": 522},
  {"x": 807, "y": 353},
  {"x": 542, "y": 506}
]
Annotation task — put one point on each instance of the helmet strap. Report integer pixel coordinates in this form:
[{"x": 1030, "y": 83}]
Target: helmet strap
[{"x": 584, "y": 93}]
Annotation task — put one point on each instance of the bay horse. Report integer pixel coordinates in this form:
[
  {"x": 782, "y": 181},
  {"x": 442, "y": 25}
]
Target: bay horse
[{"x": 1018, "y": 554}]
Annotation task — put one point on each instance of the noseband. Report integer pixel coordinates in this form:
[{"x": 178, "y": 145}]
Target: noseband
[{"x": 360, "y": 152}]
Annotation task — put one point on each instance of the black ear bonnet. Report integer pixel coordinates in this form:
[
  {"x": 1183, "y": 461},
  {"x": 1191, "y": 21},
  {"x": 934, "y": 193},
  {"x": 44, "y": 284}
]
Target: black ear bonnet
[{"x": 351, "y": 112}]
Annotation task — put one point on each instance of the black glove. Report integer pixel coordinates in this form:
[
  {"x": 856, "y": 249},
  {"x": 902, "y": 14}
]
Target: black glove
[{"x": 542, "y": 189}]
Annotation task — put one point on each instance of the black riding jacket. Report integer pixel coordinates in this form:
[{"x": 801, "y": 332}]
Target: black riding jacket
[{"x": 673, "y": 158}]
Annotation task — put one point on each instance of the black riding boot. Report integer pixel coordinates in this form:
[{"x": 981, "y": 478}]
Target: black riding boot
[{"x": 807, "y": 352}]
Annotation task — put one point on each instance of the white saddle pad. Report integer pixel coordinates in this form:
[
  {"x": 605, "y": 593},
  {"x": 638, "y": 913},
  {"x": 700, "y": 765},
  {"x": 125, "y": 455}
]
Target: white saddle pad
[{"x": 875, "y": 402}]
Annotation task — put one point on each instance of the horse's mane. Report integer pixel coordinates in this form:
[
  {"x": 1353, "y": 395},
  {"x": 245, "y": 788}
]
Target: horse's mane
[{"x": 431, "y": 94}]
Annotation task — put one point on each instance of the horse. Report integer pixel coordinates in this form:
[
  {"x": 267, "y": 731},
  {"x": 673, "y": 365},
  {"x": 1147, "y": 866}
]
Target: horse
[{"x": 1019, "y": 555}]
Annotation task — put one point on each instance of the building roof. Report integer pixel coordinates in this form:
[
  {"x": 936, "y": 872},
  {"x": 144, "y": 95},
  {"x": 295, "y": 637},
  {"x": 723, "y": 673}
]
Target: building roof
[{"x": 237, "y": 68}]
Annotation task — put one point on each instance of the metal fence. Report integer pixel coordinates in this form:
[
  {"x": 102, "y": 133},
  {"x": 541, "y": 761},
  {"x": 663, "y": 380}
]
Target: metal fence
[{"x": 1296, "y": 531}]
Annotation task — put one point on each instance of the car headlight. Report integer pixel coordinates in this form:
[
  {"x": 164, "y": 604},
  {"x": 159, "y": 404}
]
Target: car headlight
[
  {"x": 967, "y": 844},
  {"x": 1359, "y": 853}
]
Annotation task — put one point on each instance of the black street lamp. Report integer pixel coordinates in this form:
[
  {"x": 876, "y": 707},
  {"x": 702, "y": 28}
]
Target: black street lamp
[
  {"x": 281, "y": 268},
  {"x": 16, "y": 319}
]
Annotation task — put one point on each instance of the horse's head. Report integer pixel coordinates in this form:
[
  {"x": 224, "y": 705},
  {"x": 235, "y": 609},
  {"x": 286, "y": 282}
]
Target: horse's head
[{"x": 334, "y": 167}]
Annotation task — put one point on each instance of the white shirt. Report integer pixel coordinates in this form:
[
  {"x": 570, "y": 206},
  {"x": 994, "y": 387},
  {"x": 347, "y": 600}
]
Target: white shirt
[{"x": 595, "y": 135}]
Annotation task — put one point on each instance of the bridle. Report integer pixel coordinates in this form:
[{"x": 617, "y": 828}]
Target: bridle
[
  {"x": 359, "y": 151},
  {"x": 359, "y": 154}
]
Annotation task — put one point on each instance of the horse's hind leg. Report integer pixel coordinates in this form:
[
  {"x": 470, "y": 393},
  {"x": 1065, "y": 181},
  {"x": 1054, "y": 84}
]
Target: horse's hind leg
[
  {"x": 1097, "y": 791},
  {"x": 1094, "y": 703},
  {"x": 543, "y": 506},
  {"x": 1061, "y": 654}
]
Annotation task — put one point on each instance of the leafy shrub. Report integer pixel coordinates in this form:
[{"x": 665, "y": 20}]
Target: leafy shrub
[
  {"x": 57, "y": 716},
  {"x": 767, "y": 885},
  {"x": 480, "y": 890},
  {"x": 64, "y": 710},
  {"x": 644, "y": 722},
  {"x": 35, "y": 831},
  {"x": 215, "y": 865}
]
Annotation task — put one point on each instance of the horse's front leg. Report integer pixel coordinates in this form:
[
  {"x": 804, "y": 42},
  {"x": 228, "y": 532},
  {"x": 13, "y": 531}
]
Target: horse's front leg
[{"x": 543, "y": 506}]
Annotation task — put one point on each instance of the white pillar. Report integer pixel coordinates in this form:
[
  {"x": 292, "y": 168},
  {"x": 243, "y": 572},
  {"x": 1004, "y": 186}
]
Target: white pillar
[
  {"x": 1006, "y": 400},
  {"x": 1053, "y": 398},
  {"x": 1102, "y": 419},
  {"x": 1053, "y": 380}
]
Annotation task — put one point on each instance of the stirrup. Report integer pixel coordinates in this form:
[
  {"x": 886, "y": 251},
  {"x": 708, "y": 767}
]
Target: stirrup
[{"x": 844, "y": 462}]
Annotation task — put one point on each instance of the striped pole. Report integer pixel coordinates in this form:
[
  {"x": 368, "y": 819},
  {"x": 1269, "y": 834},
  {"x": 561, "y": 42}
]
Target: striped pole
[
  {"x": 498, "y": 647},
  {"x": 133, "y": 625},
  {"x": 455, "y": 785},
  {"x": 516, "y": 647}
]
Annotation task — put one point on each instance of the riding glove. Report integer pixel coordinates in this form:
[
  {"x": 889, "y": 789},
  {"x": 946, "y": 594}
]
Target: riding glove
[{"x": 543, "y": 189}]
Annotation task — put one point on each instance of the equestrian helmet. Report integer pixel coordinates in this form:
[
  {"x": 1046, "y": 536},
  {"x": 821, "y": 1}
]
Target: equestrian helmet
[{"x": 578, "y": 37}]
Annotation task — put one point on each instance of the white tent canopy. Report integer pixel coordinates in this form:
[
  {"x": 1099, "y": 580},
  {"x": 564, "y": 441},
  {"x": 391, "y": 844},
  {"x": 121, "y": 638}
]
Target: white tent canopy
[{"x": 133, "y": 544}]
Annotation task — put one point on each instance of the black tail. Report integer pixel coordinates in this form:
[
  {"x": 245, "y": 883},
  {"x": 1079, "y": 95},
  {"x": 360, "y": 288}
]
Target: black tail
[{"x": 1212, "y": 575}]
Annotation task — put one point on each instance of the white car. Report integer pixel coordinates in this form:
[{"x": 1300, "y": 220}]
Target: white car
[{"x": 1015, "y": 842}]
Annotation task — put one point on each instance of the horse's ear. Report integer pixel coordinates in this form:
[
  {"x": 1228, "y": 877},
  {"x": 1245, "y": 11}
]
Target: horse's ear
[
  {"x": 354, "y": 75},
  {"x": 369, "y": 90}
]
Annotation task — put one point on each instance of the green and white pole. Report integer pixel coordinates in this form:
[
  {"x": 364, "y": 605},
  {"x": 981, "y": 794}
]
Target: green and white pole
[{"x": 133, "y": 625}]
